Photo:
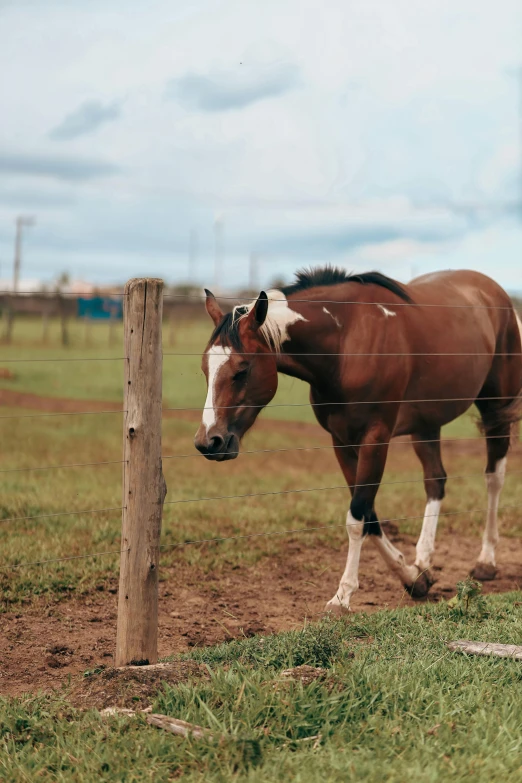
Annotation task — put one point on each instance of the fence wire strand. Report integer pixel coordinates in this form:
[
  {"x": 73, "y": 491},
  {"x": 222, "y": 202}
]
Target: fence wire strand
[
  {"x": 481, "y": 510},
  {"x": 334, "y": 448},
  {"x": 201, "y": 299},
  {"x": 252, "y": 451},
  {"x": 253, "y": 353},
  {"x": 59, "y": 413},
  {"x": 70, "y": 465},
  {"x": 165, "y": 547},
  {"x": 63, "y": 514},
  {"x": 471, "y": 400},
  {"x": 323, "y": 489},
  {"x": 331, "y": 353}
]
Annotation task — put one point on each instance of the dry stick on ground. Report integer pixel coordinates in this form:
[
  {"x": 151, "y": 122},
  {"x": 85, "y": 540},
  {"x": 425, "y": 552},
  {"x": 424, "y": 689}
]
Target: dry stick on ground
[
  {"x": 486, "y": 648},
  {"x": 174, "y": 725},
  {"x": 179, "y": 727}
]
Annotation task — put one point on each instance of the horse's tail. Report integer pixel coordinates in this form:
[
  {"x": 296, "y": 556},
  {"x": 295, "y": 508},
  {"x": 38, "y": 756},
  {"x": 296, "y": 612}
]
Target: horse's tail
[
  {"x": 510, "y": 414},
  {"x": 519, "y": 324},
  {"x": 517, "y": 402}
]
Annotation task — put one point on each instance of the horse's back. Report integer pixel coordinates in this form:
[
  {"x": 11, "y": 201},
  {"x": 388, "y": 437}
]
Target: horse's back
[
  {"x": 468, "y": 304},
  {"x": 461, "y": 286}
]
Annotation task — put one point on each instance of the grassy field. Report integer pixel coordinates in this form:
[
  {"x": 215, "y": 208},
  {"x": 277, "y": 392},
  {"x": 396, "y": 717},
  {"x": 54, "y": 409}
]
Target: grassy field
[
  {"x": 62, "y": 440},
  {"x": 100, "y": 377},
  {"x": 394, "y": 704},
  {"x": 37, "y": 442}
]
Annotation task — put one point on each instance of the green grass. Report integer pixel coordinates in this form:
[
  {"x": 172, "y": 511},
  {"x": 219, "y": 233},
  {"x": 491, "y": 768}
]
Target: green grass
[
  {"x": 183, "y": 382},
  {"x": 395, "y": 705},
  {"x": 34, "y": 442}
]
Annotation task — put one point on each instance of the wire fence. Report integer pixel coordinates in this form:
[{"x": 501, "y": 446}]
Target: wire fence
[
  {"x": 291, "y": 531},
  {"x": 225, "y": 298},
  {"x": 293, "y": 449}
]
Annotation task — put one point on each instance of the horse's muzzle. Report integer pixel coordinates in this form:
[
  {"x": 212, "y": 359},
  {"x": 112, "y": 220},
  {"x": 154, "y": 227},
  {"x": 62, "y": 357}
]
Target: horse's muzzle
[{"x": 218, "y": 448}]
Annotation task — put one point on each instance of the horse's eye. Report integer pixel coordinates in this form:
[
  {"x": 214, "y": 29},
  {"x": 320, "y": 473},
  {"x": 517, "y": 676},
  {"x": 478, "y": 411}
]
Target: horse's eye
[{"x": 240, "y": 375}]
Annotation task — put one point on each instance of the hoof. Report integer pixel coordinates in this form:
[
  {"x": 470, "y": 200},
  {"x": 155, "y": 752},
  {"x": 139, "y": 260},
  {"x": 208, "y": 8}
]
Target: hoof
[
  {"x": 484, "y": 572},
  {"x": 421, "y": 585},
  {"x": 335, "y": 610}
]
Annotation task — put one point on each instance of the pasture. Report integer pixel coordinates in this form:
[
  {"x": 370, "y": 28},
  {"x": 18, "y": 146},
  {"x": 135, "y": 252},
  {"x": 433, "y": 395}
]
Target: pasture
[{"x": 375, "y": 712}]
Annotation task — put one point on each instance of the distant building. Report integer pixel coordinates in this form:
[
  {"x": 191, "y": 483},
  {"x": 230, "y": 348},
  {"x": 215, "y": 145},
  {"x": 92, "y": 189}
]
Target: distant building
[{"x": 100, "y": 307}]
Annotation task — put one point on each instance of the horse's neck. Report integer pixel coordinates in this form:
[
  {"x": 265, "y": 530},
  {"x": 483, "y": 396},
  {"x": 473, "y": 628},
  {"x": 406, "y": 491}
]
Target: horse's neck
[{"x": 312, "y": 346}]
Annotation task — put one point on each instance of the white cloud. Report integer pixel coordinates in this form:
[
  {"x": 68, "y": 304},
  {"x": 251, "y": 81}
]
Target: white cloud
[
  {"x": 397, "y": 106},
  {"x": 86, "y": 118}
]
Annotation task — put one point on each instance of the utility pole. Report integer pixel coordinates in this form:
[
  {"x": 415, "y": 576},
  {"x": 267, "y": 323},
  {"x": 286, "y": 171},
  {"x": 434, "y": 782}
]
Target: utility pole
[{"x": 21, "y": 222}]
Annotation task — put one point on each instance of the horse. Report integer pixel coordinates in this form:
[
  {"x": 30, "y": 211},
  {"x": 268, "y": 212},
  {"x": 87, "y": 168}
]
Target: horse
[{"x": 382, "y": 360}]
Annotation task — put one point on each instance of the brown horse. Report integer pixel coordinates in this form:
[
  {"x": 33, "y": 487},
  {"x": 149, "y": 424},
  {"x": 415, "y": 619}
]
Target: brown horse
[{"x": 382, "y": 360}]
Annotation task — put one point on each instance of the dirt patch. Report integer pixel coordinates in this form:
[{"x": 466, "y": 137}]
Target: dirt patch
[
  {"x": 52, "y": 642},
  {"x": 131, "y": 687}
]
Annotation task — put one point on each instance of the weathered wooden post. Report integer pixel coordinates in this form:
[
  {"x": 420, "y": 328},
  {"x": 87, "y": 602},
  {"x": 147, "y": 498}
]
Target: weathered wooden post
[{"x": 144, "y": 487}]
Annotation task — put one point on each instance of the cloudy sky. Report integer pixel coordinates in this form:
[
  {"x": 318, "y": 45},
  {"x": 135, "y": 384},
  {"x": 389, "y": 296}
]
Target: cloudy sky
[{"x": 369, "y": 133}]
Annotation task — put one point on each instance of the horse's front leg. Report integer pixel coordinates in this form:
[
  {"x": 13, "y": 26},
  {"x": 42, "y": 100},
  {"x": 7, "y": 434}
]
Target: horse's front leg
[
  {"x": 365, "y": 472},
  {"x": 340, "y": 603},
  {"x": 372, "y": 461}
]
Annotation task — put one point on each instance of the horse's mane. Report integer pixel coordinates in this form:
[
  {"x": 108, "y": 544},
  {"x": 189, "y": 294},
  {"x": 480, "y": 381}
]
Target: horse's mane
[
  {"x": 333, "y": 275},
  {"x": 227, "y": 330}
]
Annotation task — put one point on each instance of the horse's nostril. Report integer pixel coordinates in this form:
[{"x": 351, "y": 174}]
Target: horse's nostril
[{"x": 215, "y": 444}]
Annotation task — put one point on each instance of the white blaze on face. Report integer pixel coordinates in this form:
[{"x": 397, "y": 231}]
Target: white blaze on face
[{"x": 217, "y": 357}]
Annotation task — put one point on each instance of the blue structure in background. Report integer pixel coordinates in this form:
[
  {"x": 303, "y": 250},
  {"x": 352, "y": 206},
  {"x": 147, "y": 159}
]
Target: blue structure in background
[{"x": 100, "y": 307}]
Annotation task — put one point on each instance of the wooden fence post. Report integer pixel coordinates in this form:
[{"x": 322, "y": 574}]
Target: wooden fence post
[{"x": 144, "y": 487}]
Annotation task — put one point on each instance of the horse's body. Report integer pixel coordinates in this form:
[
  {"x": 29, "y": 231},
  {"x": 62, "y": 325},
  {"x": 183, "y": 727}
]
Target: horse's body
[{"x": 382, "y": 360}]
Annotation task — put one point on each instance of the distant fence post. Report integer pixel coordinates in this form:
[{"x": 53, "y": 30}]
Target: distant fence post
[{"x": 144, "y": 487}]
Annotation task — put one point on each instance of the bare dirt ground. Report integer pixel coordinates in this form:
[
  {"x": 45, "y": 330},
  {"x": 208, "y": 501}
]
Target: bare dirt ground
[{"x": 48, "y": 644}]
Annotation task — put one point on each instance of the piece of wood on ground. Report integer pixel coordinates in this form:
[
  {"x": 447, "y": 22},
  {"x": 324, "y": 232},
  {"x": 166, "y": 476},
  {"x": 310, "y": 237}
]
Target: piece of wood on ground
[
  {"x": 486, "y": 648},
  {"x": 179, "y": 727},
  {"x": 174, "y": 725},
  {"x": 306, "y": 674},
  {"x": 123, "y": 711}
]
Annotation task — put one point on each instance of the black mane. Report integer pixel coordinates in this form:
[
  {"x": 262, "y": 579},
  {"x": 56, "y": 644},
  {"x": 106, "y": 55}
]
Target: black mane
[
  {"x": 227, "y": 330},
  {"x": 332, "y": 275}
]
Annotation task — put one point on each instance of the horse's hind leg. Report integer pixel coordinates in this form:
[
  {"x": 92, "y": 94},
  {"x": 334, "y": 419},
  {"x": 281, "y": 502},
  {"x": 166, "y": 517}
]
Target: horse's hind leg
[
  {"x": 497, "y": 445},
  {"x": 427, "y": 448}
]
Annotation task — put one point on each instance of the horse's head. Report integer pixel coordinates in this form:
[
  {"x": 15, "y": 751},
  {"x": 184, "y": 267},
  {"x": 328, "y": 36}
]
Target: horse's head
[{"x": 241, "y": 374}]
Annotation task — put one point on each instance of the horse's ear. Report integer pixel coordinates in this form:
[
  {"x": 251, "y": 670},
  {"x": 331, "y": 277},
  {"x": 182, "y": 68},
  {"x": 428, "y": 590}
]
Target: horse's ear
[
  {"x": 257, "y": 315},
  {"x": 213, "y": 309}
]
